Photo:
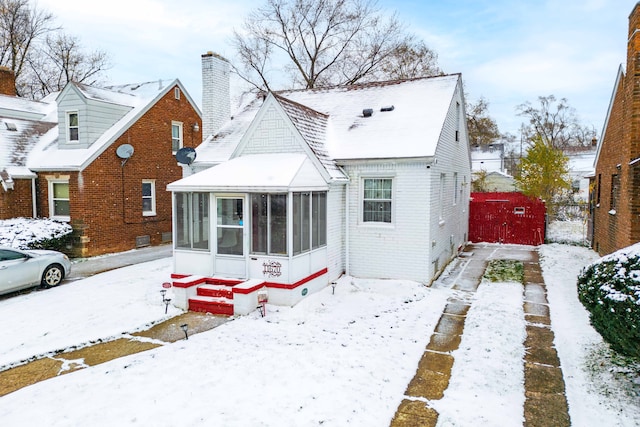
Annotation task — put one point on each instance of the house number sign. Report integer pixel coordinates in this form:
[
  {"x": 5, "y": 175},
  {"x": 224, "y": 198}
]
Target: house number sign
[{"x": 271, "y": 269}]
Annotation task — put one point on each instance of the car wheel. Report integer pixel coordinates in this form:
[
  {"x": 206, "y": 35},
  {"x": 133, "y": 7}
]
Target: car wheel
[{"x": 52, "y": 276}]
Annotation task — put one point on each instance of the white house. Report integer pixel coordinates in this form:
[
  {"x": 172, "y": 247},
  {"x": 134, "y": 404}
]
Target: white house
[{"x": 300, "y": 187}]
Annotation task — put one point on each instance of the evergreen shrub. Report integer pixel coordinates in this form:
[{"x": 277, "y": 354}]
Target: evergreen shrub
[{"x": 610, "y": 290}]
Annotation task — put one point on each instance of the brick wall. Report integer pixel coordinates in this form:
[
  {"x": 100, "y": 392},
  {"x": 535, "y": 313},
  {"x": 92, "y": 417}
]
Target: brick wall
[
  {"x": 618, "y": 228},
  {"x": 106, "y": 197},
  {"x": 17, "y": 202}
]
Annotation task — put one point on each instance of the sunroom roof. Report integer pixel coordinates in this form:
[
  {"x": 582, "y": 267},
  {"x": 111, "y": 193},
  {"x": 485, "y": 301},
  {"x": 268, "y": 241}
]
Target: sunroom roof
[{"x": 279, "y": 172}]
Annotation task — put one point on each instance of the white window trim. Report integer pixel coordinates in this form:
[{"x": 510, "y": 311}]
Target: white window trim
[
  {"x": 152, "y": 212},
  {"x": 68, "y": 128},
  {"x": 180, "y": 137},
  {"x": 361, "y": 220},
  {"x": 52, "y": 214}
]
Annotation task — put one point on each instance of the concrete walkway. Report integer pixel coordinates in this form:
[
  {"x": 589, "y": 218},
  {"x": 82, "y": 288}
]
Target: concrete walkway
[{"x": 545, "y": 401}]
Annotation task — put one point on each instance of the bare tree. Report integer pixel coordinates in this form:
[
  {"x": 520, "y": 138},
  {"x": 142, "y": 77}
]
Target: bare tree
[
  {"x": 483, "y": 129},
  {"x": 61, "y": 59},
  {"x": 21, "y": 26},
  {"x": 327, "y": 42},
  {"x": 556, "y": 123}
]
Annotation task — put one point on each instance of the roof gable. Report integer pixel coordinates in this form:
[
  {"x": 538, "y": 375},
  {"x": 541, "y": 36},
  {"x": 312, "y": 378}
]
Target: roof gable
[{"x": 295, "y": 123}]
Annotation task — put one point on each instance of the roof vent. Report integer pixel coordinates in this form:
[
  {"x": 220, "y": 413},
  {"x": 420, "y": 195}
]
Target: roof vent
[
  {"x": 388, "y": 108},
  {"x": 367, "y": 112},
  {"x": 11, "y": 126}
]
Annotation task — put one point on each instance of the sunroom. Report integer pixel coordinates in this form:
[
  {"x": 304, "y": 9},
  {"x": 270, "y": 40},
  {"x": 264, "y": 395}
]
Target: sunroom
[{"x": 260, "y": 219}]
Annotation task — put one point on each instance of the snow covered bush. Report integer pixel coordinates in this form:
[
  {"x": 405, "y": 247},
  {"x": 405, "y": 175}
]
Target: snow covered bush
[
  {"x": 610, "y": 290},
  {"x": 35, "y": 233}
]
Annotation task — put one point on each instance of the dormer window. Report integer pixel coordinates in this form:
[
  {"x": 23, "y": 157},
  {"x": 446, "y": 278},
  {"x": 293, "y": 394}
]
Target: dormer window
[{"x": 72, "y": 127}]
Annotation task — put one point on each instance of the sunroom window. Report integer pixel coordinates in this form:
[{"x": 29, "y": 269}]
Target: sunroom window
[{"x": 192, "y": 220}]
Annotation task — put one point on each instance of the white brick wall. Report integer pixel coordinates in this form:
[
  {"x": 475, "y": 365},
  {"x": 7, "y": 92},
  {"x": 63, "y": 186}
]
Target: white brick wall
[
  {"x": 399, "y": 250},
  {"x": 216, "y": 98}
]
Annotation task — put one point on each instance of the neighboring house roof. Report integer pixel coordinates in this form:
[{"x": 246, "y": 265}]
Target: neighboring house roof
[
  {"x": 581, "y": 165},
  {"x": 139, "y": 97},
  {"x": 18, "y": 137},
  {"x": 22, "y": 108},
  {"x": 332, "y": 123}
]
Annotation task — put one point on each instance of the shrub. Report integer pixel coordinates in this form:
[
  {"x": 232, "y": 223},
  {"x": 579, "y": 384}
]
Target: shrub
[
  {"x": 610, "y": 290},
  {"x": 35, "y": 233}
]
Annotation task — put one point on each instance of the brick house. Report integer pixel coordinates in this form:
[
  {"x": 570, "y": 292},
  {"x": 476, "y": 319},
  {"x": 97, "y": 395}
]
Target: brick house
[
  {"x": 615, "y": 195},
  {"x": 300, "y": 187},
  {"x": 98, "y": 158}
]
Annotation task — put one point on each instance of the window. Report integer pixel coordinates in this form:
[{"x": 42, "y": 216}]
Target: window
[
  {"x": 148, "y": 197},
  {"x": 230, "y": 226},
  {"x": 318, "y": 220},
  {"x": 598, "y": 189},
  {"x": 615, "y": 186},
  {"x": 309, "y": 221},
  {"x": 192, "y": 220},
  {"x": 455, "y": 188},
  {"x": 72, "y": 127},
  {"x": 176, "y": 93},
  {"x": 376, "y": 201},
  {"x": 441, "y": 197},
  {"x": 269, "y": 224},
  {"x": 457, "y": 121},
  {"x": 176, "y": 136},
  {"x": 59, "y": 200}
]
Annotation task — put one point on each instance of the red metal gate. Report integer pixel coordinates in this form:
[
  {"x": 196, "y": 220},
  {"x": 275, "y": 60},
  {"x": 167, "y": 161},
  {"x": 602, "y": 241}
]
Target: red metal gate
[{"x": 506, "y": 218}]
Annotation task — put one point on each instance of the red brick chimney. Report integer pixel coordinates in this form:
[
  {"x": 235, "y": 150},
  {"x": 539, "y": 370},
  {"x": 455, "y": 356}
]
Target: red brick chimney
[{"x": 7, "y": 82}]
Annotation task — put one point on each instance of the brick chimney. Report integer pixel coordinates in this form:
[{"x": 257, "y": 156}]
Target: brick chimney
[
  {"x": 216, "y": 97},
  {"x": 7, "y": 82}
]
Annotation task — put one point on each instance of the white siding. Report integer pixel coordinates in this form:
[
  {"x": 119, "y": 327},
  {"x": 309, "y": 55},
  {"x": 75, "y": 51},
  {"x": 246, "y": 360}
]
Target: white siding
[
  {"x": 273, "y": 134},
  {"x": 452, "y": 157},
  {"x": 399, "y": 250},
  {"x": 94, "y": 118},
  {"x": 336, "y": 230}
]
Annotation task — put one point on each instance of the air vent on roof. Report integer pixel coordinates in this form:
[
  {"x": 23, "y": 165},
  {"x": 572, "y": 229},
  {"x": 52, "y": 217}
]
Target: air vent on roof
[
  {"x": 367, "y": 112},
  {"x": 11, "y": 126},
  {"x": 388, "y": 108}
]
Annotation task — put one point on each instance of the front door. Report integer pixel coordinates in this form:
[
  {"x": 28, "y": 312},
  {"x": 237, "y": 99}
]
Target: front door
[{"x": 230, "y": 249}]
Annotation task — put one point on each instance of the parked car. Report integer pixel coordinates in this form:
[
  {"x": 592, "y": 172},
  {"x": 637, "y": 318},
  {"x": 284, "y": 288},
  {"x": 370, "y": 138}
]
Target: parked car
[{"x": 21, "y": 269}]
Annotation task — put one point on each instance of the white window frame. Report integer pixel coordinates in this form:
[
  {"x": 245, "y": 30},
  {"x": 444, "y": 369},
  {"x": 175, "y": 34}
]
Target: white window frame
[
  {"x": 151, "y": 212},
  {"x": 52, "y": 214},
  {"x": 176, "y": 92},
  {"x": 180, "y": 138},
  {"x": 76, "y": 127},
  {"x": 391, "y": 200}
]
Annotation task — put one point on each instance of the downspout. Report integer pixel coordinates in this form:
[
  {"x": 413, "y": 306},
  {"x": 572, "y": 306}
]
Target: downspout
[
  {"x": 346, "y": 230},
  {"x": 34, "y": 206}
]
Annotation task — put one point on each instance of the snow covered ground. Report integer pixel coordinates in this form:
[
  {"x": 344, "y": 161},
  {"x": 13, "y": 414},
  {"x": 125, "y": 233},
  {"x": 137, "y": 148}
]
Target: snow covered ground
[{"x": 331, "y": 360}]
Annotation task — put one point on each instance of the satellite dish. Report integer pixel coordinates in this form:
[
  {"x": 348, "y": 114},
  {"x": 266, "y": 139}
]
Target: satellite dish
[
  {"x": 124, "y": 151},
  {"x": 186, "y": 155}
]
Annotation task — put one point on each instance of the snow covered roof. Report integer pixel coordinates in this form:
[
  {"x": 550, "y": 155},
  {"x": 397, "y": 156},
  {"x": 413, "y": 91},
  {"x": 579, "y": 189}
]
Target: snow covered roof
[
  {"x": 406, "y": 121},
  {"x": 18, "y": 137},
  {"x": 22, "y": 108},
  {"x": 411, "y": 128},
  {"x": 258, "y": 172},
  {"x": 139, "y": 97}
]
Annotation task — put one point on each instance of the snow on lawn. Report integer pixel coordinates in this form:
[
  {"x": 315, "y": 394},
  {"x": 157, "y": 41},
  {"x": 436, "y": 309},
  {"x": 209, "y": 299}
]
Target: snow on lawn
[
  {"x": 78, "y": 312},
  {"x": 331, "y": 360},
  {"x": 595, "y": 396}
]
